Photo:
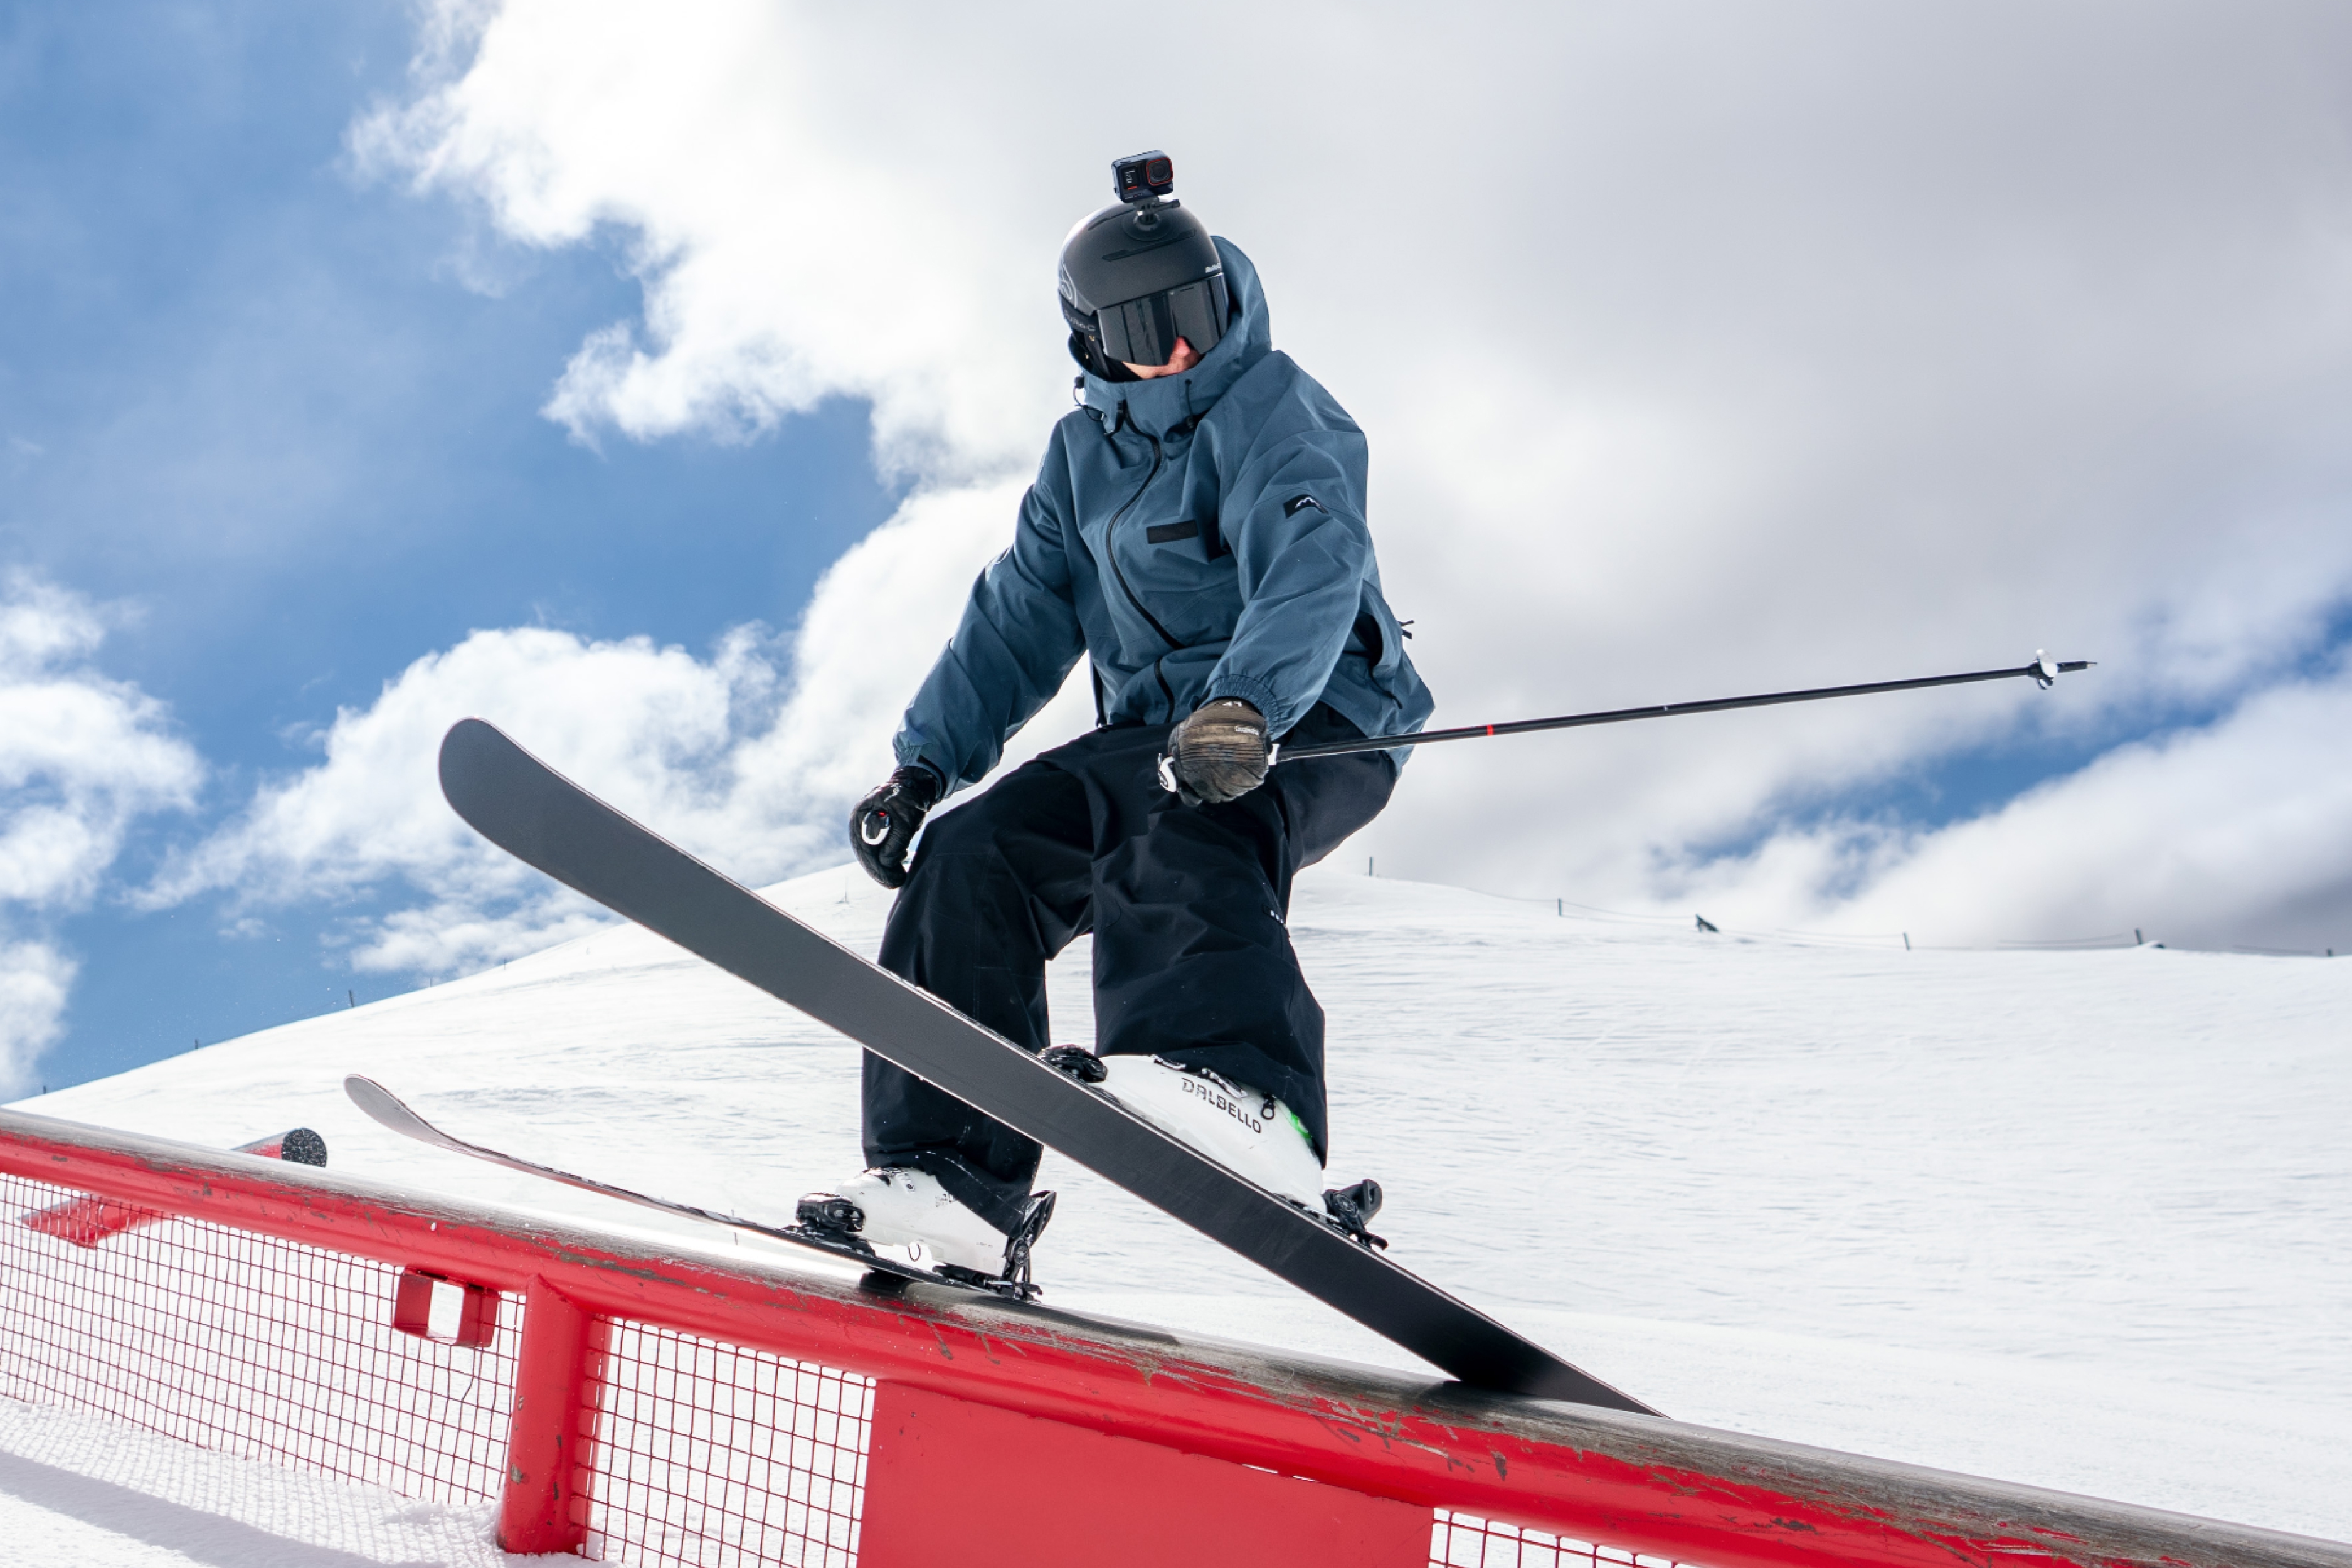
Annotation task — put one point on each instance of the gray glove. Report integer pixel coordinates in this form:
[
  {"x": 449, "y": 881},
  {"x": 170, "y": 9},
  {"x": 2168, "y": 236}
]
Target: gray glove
[{"x": 1218, "y": 753}]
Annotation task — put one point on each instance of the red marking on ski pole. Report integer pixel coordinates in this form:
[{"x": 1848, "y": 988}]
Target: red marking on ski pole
[{"x": 1490, "y": 729}]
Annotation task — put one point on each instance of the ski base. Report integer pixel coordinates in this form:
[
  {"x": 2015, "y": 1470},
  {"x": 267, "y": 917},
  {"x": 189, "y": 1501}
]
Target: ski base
[{"x": 542, "y": 818}]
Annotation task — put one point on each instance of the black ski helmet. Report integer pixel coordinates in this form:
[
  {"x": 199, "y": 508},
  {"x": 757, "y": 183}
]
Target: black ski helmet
[{"x": 1140, "y": 274}]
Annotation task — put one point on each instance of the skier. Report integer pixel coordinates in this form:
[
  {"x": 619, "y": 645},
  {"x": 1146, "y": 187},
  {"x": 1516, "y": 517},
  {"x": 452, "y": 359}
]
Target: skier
[{"x": 1197, "y": 533}]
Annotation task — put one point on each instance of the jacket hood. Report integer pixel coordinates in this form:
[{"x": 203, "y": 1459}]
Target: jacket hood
[{"x": 1160, "y": 404}]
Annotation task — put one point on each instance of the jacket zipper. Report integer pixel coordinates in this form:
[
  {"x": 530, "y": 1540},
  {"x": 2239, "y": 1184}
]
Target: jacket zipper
[{"x": 1110, "y": 543}]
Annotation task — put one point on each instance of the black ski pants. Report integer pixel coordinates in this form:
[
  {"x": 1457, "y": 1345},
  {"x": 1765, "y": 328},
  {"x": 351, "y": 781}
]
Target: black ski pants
[{"x": 1187, "y": 905}]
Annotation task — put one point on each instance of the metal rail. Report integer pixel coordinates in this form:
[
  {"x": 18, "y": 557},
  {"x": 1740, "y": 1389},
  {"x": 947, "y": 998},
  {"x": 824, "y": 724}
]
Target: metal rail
[{"x": 1641, "y": 1483}]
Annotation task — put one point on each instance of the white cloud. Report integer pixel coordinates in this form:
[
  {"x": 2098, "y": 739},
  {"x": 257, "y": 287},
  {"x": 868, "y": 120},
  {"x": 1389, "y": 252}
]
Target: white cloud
[
  {"x": 36, "y": 980},
  {"x": 878, "y": 618},
  {"x": 646, "y": 722},
  {"x": 2154, "y": 836},
  {"x": 81, "y": 758},
  {"x": 750, "y": 757},
  {"x": 1702, "y": 347},
  {"x": 850, "y": 268}
]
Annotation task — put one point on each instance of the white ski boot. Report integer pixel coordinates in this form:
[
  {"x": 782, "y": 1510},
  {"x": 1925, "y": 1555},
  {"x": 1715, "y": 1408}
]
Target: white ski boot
[
  {"x": 908, "y": 1209},
  {"x": 1248, "y": 1132}
]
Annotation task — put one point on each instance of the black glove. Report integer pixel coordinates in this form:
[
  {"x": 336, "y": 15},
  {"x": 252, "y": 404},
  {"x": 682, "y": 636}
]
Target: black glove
[
  {"x": 1218, "y": 753},
  {"x": 884, "y": 824}
]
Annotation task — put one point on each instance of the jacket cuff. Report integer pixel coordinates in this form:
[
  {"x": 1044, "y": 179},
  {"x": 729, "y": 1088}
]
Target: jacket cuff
[
  {"x": 1257, "y": 693},
  {"x": 912, "y": 755}
]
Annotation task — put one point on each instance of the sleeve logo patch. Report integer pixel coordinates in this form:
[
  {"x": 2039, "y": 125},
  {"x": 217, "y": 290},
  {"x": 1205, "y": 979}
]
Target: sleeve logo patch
[{"x": 1299, "y": 503}]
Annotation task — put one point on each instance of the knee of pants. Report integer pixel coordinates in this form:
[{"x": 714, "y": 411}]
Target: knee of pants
[{"x": 956, "y": 833}]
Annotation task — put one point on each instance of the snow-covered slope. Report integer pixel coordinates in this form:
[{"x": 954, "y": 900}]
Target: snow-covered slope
[{"x": 2077, "y": 1219}]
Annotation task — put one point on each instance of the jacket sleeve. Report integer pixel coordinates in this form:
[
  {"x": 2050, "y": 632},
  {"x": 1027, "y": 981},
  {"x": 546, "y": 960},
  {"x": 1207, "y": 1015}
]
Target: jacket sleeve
[
  {"x": 1303, "y": 553},
  {"x": 1013, "y": 649}
]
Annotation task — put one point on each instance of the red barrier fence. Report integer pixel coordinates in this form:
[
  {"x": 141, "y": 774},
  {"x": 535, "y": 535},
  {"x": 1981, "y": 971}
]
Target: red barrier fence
[{"x": 649, "y": 1404}]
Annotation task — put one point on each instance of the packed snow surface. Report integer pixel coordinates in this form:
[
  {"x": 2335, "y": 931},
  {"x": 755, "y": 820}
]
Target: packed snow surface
[
  {"x": 2077, "y": 1219},
  {"x": 79, "y": 1492}
]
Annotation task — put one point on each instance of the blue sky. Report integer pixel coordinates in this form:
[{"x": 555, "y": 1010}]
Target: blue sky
[
  {"x": 1838, "y": 375},
  {"x": 245, "y": 395}
]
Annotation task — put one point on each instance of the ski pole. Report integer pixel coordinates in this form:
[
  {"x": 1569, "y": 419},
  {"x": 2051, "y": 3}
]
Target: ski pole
[{"x": 2043, "y": 672}]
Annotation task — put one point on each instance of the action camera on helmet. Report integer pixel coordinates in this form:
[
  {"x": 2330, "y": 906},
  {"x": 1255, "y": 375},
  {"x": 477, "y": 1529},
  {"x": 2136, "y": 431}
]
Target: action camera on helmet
[
  {"x": 1139, "y": 275},
  {"x": 1143, "y": 176}
]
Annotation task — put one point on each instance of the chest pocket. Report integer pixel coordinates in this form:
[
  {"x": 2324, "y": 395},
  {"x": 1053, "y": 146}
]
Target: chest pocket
[{"x": 1205, "y": 530}]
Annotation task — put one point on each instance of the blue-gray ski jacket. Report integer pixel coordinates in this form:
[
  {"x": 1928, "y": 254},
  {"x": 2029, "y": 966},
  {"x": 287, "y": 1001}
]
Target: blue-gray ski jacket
[{"x": 1198, "y": 536}]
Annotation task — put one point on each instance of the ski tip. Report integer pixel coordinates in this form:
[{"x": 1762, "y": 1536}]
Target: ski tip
[
  {"x": 467, "y": 740},
  {"x": 380, "y": 1104},
  {"x": 468, "y": 731}
]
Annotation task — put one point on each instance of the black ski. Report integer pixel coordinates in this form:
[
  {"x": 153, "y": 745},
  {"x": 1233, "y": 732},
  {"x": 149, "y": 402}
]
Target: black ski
[
  {"x": 392, "y": 1112},
  {"x": 533, "y": 813}
]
